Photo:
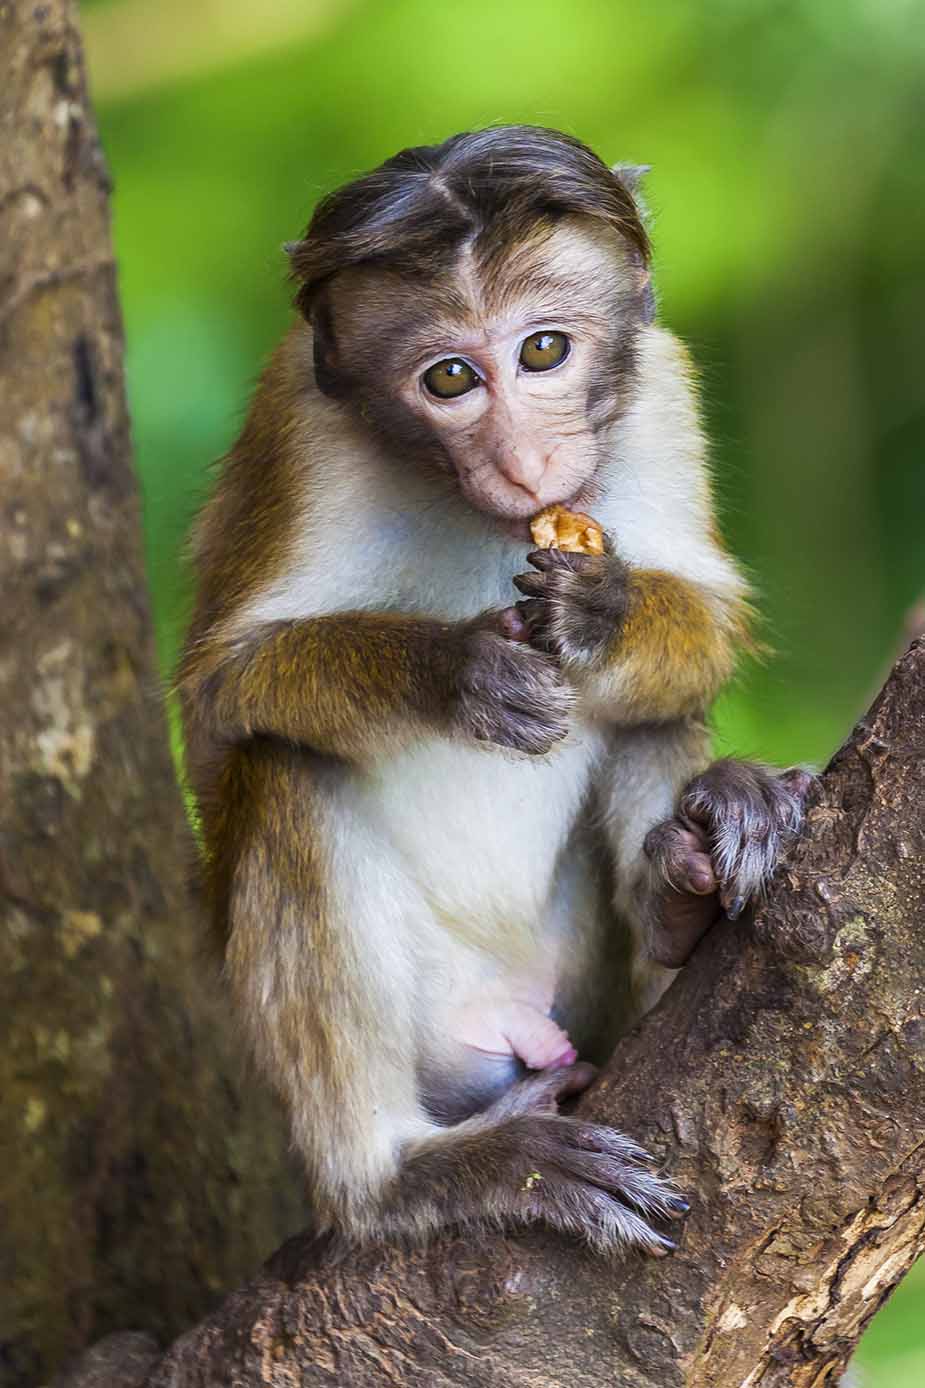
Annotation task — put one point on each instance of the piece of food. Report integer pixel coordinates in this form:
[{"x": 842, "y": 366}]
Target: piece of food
[{"x": 559, "y": 528}]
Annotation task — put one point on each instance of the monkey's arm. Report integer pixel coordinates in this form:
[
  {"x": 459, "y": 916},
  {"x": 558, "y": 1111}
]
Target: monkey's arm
[
  {"x": 353, "y": 684},
  {"x": 643, "y": 644}
]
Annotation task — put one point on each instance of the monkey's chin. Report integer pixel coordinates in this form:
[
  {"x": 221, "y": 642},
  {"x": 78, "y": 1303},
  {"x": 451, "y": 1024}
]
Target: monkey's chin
[{"x": 516, "y": 529}]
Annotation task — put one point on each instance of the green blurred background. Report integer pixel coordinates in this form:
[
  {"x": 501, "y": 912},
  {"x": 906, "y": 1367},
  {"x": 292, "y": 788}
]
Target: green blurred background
[{"x": 788, "y": 202}]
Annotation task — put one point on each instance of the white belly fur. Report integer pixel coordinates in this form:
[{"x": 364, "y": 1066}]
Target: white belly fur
[
  {"x": 478, "y": 830},
  {"x": 472, "y": 836}
]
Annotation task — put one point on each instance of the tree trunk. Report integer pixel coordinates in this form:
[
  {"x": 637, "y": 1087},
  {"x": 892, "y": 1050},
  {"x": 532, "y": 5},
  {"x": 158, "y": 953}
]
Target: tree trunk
[
  {"x": 134, "y": 1182},
  {"x": 781, "y": 1079}
]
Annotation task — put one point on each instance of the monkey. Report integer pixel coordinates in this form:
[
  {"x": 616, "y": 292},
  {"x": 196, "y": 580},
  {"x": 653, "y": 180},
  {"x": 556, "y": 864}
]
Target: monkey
[{"x": 436, "y": 771}]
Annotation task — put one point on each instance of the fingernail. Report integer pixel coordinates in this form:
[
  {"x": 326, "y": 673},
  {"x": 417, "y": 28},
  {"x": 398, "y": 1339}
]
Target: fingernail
[
  {"x": 735, "y": 908},
  {"x": 679, "y": 1206}
]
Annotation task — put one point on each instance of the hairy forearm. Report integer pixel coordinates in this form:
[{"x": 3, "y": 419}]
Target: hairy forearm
[
  {"x": 358, "y": 685},
  {"x": 643, "y": 645},
  {"x": 341, "y": 684},
  {"x": 671, "y": 653}
]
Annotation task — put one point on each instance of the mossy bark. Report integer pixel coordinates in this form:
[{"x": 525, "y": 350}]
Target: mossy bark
[{"x": 135, "y": 1180}]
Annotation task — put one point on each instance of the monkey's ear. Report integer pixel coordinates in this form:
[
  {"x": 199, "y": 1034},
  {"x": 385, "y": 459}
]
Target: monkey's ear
[
  {"x": 313, "y": 302},
  {"x": 631, "y": 175},
  {"x": 329, "y": 377},
  {"x": 295, "y": 250}
]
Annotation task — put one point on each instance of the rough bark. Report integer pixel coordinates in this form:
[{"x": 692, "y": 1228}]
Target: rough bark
[
  {"x": 133, "y": 1183},
  {"x": 782, "y": 1081}
]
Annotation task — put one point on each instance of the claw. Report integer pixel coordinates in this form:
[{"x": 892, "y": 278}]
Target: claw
[{"x": 663, "y": 1247}]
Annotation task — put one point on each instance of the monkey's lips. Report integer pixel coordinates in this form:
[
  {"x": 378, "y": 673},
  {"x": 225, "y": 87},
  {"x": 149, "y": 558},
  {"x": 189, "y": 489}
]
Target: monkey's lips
[{"x": 518, "y": 528}]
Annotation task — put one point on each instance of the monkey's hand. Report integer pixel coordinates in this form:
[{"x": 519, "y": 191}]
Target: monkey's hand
[
  {"x": 575, "y": 604},
  {"x": 717, "y": 855},
  {"x": 507, "y": 692}
]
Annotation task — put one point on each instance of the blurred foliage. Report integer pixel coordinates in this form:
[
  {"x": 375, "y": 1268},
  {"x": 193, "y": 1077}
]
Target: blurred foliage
[{"x": 787, "y": 196}]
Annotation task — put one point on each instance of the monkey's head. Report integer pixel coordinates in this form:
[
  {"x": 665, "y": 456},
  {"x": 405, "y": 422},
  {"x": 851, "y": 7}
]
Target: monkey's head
[{"x": 477, "y": 302}]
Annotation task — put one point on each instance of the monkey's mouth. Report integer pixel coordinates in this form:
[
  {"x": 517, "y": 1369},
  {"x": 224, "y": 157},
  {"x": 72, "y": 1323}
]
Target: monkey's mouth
[{"x": 518, "y": 528}]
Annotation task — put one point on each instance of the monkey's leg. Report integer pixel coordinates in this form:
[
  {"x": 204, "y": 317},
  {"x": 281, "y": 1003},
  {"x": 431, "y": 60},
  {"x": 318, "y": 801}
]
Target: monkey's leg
[
  {"x": 323, "y": 958},
  {"x": 521, "y": 1163},
  {"x": 640, "y": 788}
]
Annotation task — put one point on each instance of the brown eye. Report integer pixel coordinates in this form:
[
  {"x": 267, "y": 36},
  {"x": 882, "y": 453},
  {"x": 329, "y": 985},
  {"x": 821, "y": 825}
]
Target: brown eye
[
  {"x": 450, "y": 378},
  {"x": 543, "y": 351}
]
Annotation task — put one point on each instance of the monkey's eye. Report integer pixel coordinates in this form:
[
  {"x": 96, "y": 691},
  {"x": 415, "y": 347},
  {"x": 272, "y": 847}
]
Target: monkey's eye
[
  {"x": 450, "y": 378},
  {"x": 543, "y": 351}
]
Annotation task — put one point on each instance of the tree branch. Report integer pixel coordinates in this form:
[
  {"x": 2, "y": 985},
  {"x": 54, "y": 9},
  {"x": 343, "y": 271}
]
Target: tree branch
[{"x": 781, "y": 1079}]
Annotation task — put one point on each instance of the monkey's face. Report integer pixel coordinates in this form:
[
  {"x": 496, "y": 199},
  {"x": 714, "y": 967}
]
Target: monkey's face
[{"x": 504, "y": 369}]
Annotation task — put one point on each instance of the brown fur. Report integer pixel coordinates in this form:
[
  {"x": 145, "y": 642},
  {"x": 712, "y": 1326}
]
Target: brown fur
[{"x": 676, "y": 649}]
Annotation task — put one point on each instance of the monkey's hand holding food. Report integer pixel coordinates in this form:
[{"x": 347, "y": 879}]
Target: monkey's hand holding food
[
  {"x": 507, "y": 692},
  {"x": 576, "y": 603}
]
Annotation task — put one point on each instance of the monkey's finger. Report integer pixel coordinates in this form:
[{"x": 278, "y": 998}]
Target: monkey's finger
[
  {"x": 651, "y": 1195},
  {"x": 798, "y": 781},
  {"x": 680, "y": 855},
  {"x": 696, "y": 875},
  {"x": 543, "y": 1091},
  {"x": 733, "y": 903},
  {"x": 531, "y": 585},
  {"x": 594, "y": 1137},
  {"x": 549, "y": 560},
  {"x": 681, "y": 921},
  {"x": 534, "y": 613}
]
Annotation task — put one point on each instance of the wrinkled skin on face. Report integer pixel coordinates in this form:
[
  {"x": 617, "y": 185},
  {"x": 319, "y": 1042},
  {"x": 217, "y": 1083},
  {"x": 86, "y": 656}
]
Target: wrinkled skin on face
[{"x": 517, "y": 439}]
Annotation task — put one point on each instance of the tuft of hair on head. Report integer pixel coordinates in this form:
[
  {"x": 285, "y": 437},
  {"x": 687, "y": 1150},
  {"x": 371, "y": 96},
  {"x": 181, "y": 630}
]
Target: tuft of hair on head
[
  {"x": 485, "y": 187},
  {"x": 631, "y": 175}
]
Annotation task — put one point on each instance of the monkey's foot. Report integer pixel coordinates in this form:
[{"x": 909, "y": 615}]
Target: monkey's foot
[
  {"x": 578, "y": 1177},
  {"x": 717, "y": 855}
]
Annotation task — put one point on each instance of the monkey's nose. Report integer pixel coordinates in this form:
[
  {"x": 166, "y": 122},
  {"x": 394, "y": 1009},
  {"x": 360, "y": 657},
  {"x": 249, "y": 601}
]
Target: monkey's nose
[{"x": 525, "y": 469}]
